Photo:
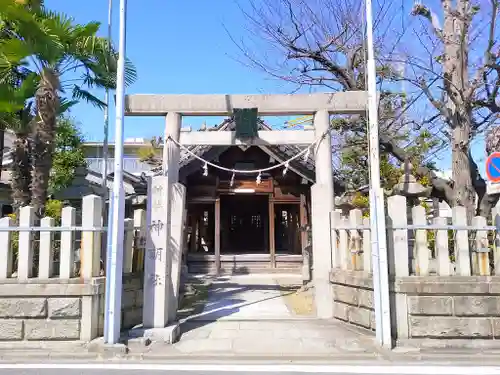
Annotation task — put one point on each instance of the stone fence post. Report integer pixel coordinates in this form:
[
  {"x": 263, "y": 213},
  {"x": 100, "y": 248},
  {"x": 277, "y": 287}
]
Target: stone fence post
[
  {"x": 128, "y": 246},
  {"x": 6, "y": 249},
  {"x": 140, "y": 239},
  {"x": 422, "y": 253},
  {"x": 25, "y": 253},
  {"x": 355, "y": 220},
  {"x": 334, "y": 238},
  {"x": 66, "y": 266},
  {"x": 462, "y": 255},
  {"x": 441, "y": 248},
  {"x": 481, "y": 247},
  {"x": 91, "y": 241},
  {"x": 399, "y": 254},
  {"x": 399, "y": 260},
  {"x": 90, "y": 264},
  {"x": 46, "y": 257},
  {"x": 344, "y": 253},
  {"x": 367, "y": 246}
]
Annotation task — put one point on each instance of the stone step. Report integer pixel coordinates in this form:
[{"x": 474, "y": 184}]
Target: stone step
[
  {"x": 243, "y": 268},
  {"x": 194, "y": 270}
]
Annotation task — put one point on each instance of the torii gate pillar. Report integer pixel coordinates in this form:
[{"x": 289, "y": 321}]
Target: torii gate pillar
[{"x": 322, "y": 202}]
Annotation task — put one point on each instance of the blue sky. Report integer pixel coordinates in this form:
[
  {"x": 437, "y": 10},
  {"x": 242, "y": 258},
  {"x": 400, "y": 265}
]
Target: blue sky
[{"x": 178, "y": 46}]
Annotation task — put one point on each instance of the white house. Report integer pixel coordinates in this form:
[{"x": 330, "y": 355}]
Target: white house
[{"x": 88, "y": 180}]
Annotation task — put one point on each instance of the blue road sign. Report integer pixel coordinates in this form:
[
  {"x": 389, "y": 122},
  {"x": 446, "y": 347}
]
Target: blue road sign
[{"x": 493, "y": 167}]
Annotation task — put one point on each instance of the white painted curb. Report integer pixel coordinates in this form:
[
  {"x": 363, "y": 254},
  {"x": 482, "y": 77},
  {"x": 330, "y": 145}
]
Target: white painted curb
[{"x": 323, "y": 369}]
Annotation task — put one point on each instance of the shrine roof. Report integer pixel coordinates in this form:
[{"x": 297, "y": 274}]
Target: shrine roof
[{"x": 281, "y": 152}]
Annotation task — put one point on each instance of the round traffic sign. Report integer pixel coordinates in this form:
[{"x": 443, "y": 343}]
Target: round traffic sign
[{"x": 493, "y": 167}]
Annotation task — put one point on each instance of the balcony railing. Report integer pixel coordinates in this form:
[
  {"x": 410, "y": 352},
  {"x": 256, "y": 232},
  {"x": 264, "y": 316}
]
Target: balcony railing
[{"x": 131, "y": 165}]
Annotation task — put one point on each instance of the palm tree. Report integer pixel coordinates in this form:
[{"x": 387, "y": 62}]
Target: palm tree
[
  {"x": 21, "y": 158},
  {"x": 6, "y": 119},
  {"x": 57, "y": 56},
  {"x": 19, "y": 123},
  {"x": 15, "y": 114}
]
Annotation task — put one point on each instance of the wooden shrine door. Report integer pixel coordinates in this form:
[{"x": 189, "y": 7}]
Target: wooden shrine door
[{"x": 244, "y": 224}]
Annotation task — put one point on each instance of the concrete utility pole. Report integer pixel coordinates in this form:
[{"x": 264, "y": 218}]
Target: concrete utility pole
[
  {"x": 104, "y": 167},
  {"x": 377, "y": 212},
  {"x": 116, "y": 213},
  {"x": 106, "y": 113}
]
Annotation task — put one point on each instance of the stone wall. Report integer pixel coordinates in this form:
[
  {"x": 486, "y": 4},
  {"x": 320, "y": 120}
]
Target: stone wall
[
  {"x": 353, "y": 298},
  {"x": 435, "y": 307},
  {"x": 452, "y": 307},
  {"x": 43, "y": 297},
  {"x": 132, "y": 301},
  {"x": 51, "y": 310},
  {"x": 55, "y": 309}
]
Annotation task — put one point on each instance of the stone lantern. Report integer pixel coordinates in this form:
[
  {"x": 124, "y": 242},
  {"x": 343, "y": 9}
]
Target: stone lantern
[
  {"x": 409, "y": 187},
  {"x": 344, "y": 203},
  {"x": 413, "y": 190}
]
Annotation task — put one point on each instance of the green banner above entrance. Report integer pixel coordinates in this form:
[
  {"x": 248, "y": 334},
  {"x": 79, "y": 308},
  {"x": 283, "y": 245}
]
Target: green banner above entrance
[{"x": 246, "y": 122}]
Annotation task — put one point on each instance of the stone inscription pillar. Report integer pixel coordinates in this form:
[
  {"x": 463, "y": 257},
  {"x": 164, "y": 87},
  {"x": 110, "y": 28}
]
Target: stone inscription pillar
[
  {"x": 163, "y": 220},
  {"x": 157, "y": 260}
]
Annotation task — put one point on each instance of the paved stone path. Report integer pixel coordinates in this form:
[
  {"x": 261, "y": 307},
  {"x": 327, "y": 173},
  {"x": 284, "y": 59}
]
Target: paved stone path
[
  {"x": 247, "y": 315},
  {"x": 246, "y": 298}
]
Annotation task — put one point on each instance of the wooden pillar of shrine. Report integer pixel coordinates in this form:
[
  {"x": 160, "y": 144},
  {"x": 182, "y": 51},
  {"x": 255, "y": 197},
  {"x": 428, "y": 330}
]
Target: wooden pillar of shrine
[
  {"x": 272, "y": 237},
  {"x": 217, "y": 237}
]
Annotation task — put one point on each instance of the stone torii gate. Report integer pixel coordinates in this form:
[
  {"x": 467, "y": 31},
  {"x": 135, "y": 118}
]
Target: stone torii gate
[{"x": 166, "y": 196}]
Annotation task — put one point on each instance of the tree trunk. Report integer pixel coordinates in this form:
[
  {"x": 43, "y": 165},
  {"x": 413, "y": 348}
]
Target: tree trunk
[
  {"x": 21, "y": 171},
  {"x": 459, "y": 116},
  {"x": 465, "y": 194},
  {"x": 47, "y": 104}
]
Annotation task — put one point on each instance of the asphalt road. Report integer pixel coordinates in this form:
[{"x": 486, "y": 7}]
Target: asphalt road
[
  {"x": 96, "y": 372},
  {"x": 149, "y": 369},
  {"x": 134, "y": 372},
  {"x": 166, "y": 372}
]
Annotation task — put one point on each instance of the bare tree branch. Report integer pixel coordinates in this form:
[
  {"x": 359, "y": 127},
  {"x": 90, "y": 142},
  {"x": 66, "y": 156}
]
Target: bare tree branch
[
  {"x": 321, "y": 44},
  {"x": 423, "y": 11}
]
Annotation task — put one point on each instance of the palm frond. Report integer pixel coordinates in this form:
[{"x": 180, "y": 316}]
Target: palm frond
[
  {"x": 88, "y": 30},
  {"x": 100, "y": 63},
  {"x": 52, "y": 40},
  {"x": 8, "y": 106},
  {"x": 11, "y": 11},
  {"x": 18, "y": 122},
  {"x": 13, "y": 52},
  {"x": 130, "y": 72},
  {"x": 66, "y": 104},
  {"x": 14, "y": 97},
  {"x": 81, "y": 94},
  {"x": 57, "y": 24},
  {"x": 28, "y": 86}
]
